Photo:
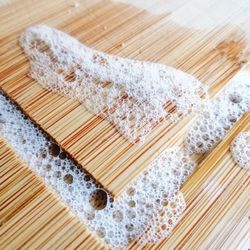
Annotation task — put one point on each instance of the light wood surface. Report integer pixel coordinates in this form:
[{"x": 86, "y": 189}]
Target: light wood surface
[
  {"x": 217, "y": 194},
  {"x": 212, "y": 55},
  {"x": 217, "y": 214}
]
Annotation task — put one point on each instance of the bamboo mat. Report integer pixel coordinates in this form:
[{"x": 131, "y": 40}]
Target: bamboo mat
[
  {"x": 217, "y": 194},
  {"x": 213, "y": 55},
  {"x": 217, "y": 214}
]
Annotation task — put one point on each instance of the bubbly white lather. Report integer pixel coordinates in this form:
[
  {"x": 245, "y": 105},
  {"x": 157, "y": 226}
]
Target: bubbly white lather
[
  {"x": 133, "y": 95},
  {"x": 220, "y": 115},
  {"x": 240, "y": 149},
  {"x": 146, "y": 211}
]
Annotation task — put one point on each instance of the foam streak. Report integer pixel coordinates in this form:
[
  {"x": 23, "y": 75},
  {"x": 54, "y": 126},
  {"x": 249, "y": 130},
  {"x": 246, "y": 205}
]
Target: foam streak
[
  {"x": 220, "y": 115},
  {"x": 131, "y": 217},
  {"x": 240, "y": 149},
  {"x": 130, "y": 94}
]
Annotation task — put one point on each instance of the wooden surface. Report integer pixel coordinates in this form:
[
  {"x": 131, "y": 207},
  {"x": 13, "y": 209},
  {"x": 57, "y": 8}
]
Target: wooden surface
[
  {"x": 217, "y": 194},
  {"x": 212, "y": 55},
  {"x": 217, "y": 214}
]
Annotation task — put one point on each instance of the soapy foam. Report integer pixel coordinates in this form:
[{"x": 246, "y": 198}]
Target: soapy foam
[
  {"x": 220, "y": 115},
  {"x": 133, "y": 215},
  {"x": 240, "y": 149},
  {"x": 135, "y": 96},
  {"x": 161, "y": 223}
]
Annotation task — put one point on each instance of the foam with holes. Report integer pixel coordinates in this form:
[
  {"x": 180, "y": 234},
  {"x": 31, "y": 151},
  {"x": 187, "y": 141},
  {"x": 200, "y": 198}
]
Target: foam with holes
[
  {"x": 220, "y": 115},
  {"x": 240, "y": 149},
  {"x": 132, "y": 215},
  {"x": 160, "y": 225},
  {"x": 133, "y": 95}
]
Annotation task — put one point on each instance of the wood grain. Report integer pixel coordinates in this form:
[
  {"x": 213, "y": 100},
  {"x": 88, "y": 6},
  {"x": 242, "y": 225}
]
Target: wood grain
[
  {"x": 217, "y": 214},
  {"x": 217, "y": 194},
  {"x": 213, "y": 56}
]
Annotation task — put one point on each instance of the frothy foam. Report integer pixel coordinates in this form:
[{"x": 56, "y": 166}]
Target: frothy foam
[
  {"x": 240, "y": 149},
  {"x": 133, "y": 95},
  {"x": 220, "y": 115},
  {"x": 146, "y": 211},
  {"x": 160, "y": 224}
]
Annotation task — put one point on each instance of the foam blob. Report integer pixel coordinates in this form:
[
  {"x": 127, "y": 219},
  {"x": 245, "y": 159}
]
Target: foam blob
[
  {"x": 161, "y": 223},
  {"x": 133, "y": 95},
  {"x": 240, "y": 149},
  {"x": 118, "y": 222},
  {"x": 220, "y": 115}
]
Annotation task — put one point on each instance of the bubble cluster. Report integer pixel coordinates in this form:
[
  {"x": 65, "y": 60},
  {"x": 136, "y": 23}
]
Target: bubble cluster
[
  {"x": 133, "y": 95},
  {"x": 220, "y": 115},
  {"x": 116, "y": 222},
  {"x": 240, "y": 149},
  {"x": 161, "y": 224}
]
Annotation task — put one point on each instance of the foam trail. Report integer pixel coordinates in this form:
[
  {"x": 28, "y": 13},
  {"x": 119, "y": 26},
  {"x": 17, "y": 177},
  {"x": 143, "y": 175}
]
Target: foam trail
[
  {"x": 240, "y": 149},
  {"x": 117, "y": 223},
  {"x": 220, "y": 115},
  {"x": 133, "y": 95}
]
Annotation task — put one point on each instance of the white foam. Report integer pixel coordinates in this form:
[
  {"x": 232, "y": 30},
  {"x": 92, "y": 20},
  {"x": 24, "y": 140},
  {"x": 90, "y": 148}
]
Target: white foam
[
  {"x": 220, "y": 115},
  {"x": 133, "y": 216},
  {"x": 133, "y": 95},
  {"x": 160, "y": 225},
  {"x": 240, "y": 149}
]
